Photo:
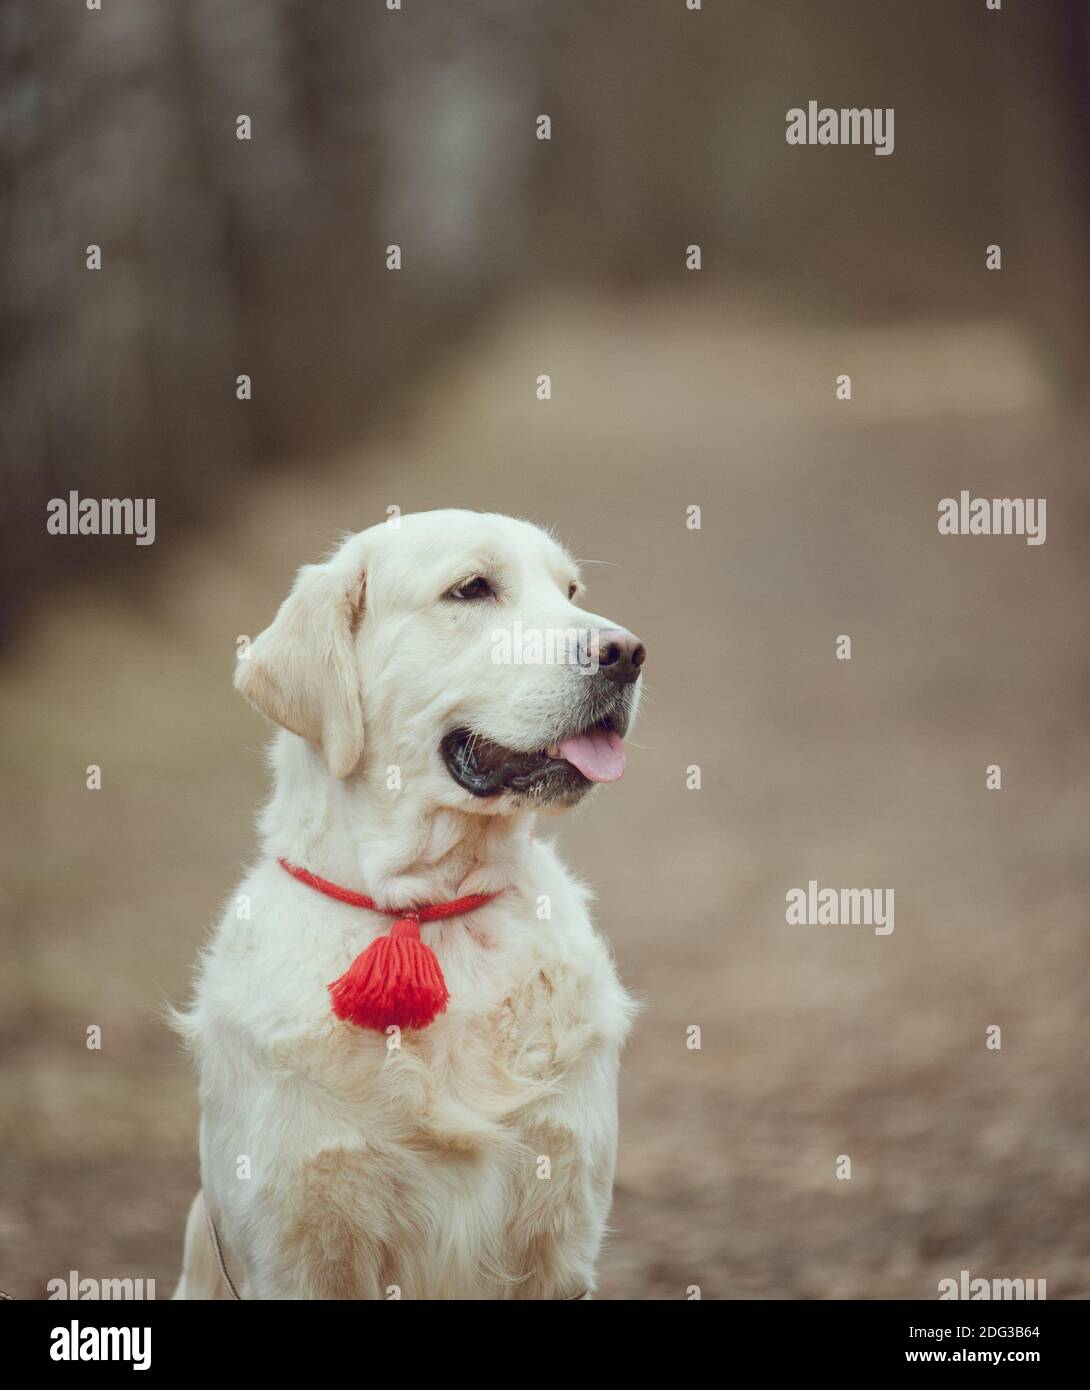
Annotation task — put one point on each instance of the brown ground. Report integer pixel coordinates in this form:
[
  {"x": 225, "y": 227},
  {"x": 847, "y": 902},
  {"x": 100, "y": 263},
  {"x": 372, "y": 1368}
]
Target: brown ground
[{"x": 818, "y": 519}]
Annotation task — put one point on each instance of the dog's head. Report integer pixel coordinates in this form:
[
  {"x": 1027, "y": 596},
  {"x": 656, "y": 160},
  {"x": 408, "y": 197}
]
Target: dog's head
[{"x": 449, "y": 651}]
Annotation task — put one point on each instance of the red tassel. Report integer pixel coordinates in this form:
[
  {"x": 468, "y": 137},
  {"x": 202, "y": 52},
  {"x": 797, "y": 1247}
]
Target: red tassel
[{"x": 396, "y": 982}]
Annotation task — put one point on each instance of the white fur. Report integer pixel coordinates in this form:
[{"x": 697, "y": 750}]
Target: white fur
[{"x": 421, "y": 1167}]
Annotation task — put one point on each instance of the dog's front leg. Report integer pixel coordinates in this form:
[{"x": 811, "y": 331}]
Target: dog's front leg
[{"x": 564, "y": 1197}]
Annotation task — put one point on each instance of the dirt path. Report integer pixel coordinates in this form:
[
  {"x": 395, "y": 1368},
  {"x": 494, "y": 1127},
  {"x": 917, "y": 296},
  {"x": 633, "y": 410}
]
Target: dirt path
[{"x": 818, "y": 519}]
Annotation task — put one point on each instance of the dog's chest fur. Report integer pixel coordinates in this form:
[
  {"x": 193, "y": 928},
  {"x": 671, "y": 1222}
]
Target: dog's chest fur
[{"x": 471, "y": 1159}]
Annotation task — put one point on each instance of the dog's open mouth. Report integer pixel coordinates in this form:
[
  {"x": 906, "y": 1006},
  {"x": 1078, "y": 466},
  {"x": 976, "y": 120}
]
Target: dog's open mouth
[{"x": 563, "y": 770}]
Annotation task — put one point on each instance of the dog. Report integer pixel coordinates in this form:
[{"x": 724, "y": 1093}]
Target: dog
[{"x": 464, "y": 1148}]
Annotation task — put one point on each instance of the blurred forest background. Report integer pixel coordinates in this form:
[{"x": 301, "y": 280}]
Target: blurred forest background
[
  {"x": 267, "y": 257},
  {"x": 416, "y": 127}
]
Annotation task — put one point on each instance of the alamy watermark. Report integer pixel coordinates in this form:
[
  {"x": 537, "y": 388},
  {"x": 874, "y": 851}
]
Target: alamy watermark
[
  {"x": 78, "y": 1287},
  {"x": 975, "y": 1289},
  {"x": 107, "y": 516},
  {"x": 841, "y": 907},
  {"x": 546, "y": 646},
  {"x": 846, "y": 125},
  {"x": 967, "y": 515},
  {"x": 76, "y": 1343}
]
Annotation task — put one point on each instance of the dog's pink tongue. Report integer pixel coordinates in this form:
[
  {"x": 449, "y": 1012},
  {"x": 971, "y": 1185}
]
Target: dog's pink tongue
[{"x": 598, "y": 754}]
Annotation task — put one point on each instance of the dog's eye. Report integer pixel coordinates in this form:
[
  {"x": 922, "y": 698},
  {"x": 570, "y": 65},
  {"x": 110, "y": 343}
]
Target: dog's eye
[
  {"x": 477, "y": 587},
  {"x": 573, "y": 589}
]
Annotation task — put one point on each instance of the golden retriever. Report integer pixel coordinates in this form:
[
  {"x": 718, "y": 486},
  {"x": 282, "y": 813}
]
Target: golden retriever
[{"x": 437, "y": 685}]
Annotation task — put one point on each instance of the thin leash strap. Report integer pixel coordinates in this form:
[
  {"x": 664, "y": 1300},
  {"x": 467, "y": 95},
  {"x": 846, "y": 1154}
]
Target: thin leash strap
[{"x": 218, "y": 1248}]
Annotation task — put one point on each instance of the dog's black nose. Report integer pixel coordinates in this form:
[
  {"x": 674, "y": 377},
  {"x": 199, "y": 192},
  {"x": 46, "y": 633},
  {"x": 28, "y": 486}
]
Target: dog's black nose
[{"x": 620, "y": 656}]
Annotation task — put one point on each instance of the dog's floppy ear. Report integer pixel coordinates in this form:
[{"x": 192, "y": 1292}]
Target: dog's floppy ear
[{"x": 301, "y": 671}]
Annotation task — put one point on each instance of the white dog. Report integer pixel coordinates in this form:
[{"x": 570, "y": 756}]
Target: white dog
[{"x": 470, "y": 1156}]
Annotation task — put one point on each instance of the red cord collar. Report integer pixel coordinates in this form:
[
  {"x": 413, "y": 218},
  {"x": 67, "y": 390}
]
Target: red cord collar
[{"x": 396, "y": 982}]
